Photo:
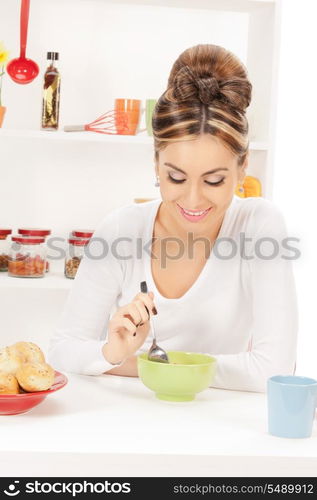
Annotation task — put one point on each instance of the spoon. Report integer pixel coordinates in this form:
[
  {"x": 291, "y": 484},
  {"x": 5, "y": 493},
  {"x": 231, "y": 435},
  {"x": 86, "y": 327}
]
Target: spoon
[
  {"x": 155, "y": 353},
  {"x": 21, "y": 69}
]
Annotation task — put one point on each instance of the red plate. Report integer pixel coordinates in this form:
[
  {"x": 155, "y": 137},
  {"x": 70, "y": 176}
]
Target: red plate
[{"x": 12, "y": 404}]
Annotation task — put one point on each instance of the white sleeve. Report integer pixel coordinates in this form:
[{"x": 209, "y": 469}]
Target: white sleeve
[
  {"x": 274, "y": 328},
  {"x": 76, "y": 345}
]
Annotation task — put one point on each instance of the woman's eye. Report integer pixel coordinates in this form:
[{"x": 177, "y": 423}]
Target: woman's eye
[
  {"x": 177, "y": 181},
  {"x": 215, "y": 183}
]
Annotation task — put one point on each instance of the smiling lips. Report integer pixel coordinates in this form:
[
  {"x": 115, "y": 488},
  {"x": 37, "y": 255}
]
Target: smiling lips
[{"x": 193, "y": 215}]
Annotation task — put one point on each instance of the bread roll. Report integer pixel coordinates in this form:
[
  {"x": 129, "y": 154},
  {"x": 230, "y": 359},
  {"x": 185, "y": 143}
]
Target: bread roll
[
  {"x": 34, "y": 377},
  {"x": 10, "y": 361},
  {"x": 8, "y": 384},
  {"x": 31, "y": 353}
]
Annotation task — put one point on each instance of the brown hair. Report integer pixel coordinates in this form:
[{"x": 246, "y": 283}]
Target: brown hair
[{"x": 208, "y": 92}]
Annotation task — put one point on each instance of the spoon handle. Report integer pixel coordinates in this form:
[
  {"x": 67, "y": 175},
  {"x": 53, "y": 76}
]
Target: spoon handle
[
  {"x": 144, "y": 289},
  {"x": 24, "y": 20},
  {"x": 153, "y": 331}
]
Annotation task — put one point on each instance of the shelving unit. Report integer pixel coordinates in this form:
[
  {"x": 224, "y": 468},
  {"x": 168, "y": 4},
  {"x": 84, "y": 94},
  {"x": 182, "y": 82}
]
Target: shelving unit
[
  {"x": 51, "y": 281},
  {"x": 222, "y": 5},
  {"x": 93, "y": 137},
  {"x": 83, "y": 137}
]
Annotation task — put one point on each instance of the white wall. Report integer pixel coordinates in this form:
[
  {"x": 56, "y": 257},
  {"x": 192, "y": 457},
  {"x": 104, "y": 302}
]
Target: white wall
[{"x": 296, "y": 166}]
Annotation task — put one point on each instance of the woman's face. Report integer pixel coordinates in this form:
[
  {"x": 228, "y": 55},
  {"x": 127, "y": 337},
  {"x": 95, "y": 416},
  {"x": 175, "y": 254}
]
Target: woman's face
[{"x": 199, "y": 175}]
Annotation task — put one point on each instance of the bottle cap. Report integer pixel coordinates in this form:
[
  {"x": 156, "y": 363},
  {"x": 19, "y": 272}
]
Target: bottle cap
[
  {"x": 27, "y": 240},
  {"x": 83, "y": 233},
  {"x": 54, "y": 56},
  {"x": 34, "y": 231},
  {"x": 78, "y": 241}
]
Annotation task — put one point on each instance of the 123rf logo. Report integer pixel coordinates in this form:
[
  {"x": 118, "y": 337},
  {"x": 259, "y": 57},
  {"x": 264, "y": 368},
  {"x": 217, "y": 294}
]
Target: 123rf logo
[{"x": 71, "y": 488}]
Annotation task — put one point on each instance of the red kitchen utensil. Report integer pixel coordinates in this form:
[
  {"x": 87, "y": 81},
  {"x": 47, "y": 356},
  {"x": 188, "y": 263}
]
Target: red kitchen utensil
[
  {"x": 21, "y": 69},
  {"x": 13, "y": 404},
  {"x": 105, "y": 124}
]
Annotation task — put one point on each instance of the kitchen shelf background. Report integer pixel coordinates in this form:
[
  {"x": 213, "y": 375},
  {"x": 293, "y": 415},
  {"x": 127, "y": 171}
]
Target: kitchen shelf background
[
  {"x": 111, "y": 49},
  {"x": 140, "y": 138},
  {"x": 127, "y": 51}
]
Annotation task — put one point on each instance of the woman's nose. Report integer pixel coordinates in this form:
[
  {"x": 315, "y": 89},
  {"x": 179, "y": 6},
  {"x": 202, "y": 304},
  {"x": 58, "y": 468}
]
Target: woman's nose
[{"x": 194, "y": 199}]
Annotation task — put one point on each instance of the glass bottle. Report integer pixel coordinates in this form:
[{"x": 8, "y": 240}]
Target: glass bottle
[{"x": 51, "y": 94}]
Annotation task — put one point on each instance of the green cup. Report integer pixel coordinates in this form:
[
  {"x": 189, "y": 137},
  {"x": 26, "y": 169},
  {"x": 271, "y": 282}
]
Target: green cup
[
  {"x": 180, "y": 380},
  {"x": 149, "y": 108}
]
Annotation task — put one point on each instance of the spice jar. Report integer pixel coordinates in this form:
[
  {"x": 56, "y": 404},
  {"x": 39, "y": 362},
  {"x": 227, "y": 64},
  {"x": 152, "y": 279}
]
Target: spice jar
[
  {"x": 27, "y": 257},
  {"x": 37, "y": 232},
  {"x": 4, "y": 249},
  {"x": 75, "y": 252}
]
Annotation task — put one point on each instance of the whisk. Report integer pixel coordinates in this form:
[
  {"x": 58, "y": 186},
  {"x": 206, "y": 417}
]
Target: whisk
[{"x": 109, "y": 123}]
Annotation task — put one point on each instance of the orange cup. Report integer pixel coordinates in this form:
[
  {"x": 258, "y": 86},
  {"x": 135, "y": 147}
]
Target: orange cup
[
  {"x": 127, "y": 116},
  {"x": 2, "y": 113}
]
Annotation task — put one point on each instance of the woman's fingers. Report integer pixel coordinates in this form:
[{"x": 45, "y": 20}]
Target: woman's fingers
[
  {"x": 134, "y": 316},
  {"x": 142, "y": 311},
  {"x": 147, "y": 299},
  {"x": 132, "y": 311},
  {"x": 131, "y": 316},
  {"x": 129, "y": 327},
  {"x": 123, "y": 322}
]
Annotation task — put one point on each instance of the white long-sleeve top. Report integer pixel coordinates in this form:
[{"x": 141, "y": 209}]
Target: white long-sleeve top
[{"x": 242, "y": 308}]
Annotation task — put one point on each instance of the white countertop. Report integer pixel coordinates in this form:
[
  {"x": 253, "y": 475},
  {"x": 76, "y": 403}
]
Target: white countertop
[{"x": 114, "y": 426}]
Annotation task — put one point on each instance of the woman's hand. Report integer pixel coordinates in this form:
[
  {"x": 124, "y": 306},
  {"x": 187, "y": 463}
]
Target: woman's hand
[
  {"x": 128, "y": 369},
  {"x": 128, "y": 328}
]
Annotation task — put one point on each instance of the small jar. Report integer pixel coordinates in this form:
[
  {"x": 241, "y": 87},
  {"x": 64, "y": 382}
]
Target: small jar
[
  {"x": 27, "y": 257},
  {"x": 4, "y": 249},
  {"x": 37, "y": 232},
  {"x": 75, "y": 252}
]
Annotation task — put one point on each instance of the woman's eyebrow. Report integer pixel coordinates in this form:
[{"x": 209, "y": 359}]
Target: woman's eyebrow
[{"x": 180, "y": 170}]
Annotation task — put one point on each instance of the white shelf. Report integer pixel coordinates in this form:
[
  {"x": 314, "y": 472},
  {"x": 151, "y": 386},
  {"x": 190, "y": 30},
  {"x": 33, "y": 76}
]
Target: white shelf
[
  {"x": 94, "y": 137},
  {"x": 59, "y": 135},
  {"x": 51, "y": 281},
  {"x": 221, "y": 5}
]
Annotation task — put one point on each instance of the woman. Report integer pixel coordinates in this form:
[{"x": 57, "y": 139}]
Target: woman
[{"x": 206, "y": 254}]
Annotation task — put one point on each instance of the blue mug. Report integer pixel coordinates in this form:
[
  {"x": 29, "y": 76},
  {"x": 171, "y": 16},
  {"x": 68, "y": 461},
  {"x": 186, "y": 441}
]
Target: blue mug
[{"x": 292, "y": 401}]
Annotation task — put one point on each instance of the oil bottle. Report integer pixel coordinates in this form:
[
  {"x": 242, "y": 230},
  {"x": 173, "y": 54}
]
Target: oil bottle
[{"x": 51, "y": 94}]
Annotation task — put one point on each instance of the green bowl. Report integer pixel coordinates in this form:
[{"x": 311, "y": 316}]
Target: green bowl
[{"x": 181, "y": 379}]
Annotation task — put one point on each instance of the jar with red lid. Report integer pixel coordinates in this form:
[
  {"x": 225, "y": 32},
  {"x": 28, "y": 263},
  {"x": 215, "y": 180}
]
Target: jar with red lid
[
  {"x": 75, "y": 252},
  {"x": 38, "y": 232},
  {"x": 27, "y": 257},
  {"x": 4, "y": 249}
]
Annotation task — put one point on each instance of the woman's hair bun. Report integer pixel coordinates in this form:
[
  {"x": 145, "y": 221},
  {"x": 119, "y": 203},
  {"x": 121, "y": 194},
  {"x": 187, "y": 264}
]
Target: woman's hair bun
[
  {"x": 207, "y": 92},
  {"x": 211, "y": 74},
  {"x": 187, "y": 85}
]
